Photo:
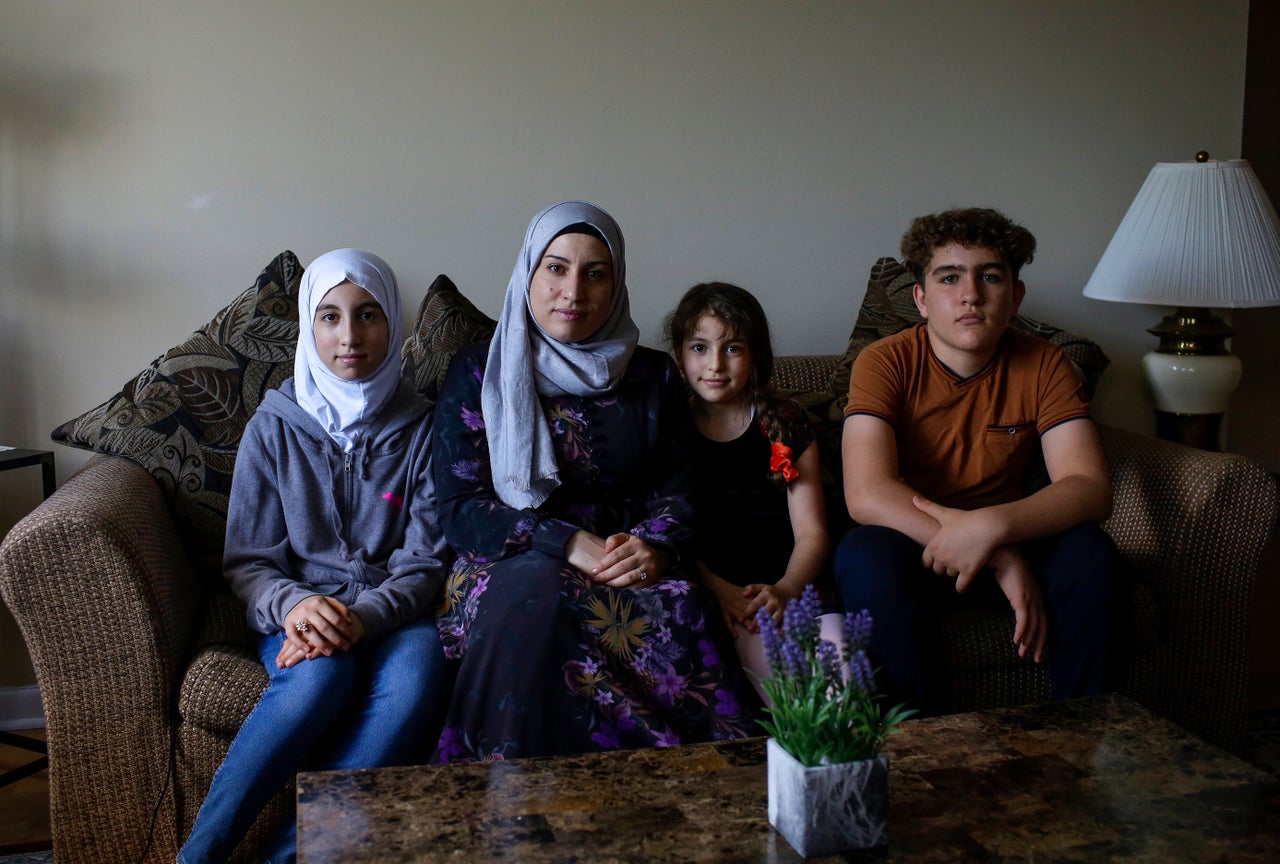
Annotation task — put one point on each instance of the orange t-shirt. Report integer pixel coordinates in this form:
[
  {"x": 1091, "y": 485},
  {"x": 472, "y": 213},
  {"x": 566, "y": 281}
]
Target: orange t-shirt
[{"x": 966, "y": 442}]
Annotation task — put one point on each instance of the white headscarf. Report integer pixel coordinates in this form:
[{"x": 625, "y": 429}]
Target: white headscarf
[
  {"x": 525, "y": 362},
  {"x": 344, "y": 407}
]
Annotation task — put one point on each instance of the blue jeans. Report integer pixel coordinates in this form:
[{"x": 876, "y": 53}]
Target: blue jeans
[
  {"x": 372, "y": 706},
  {"x": 1082, "y": 577}
]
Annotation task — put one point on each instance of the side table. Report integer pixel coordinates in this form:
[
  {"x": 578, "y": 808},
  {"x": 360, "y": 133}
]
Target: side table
[
  {"x": 17, "y": 457},
  {"x": 10, "y": 458}
]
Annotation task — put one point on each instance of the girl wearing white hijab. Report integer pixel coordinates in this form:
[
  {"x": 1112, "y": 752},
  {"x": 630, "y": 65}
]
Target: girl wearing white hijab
[
  {"x": 342, "y": 404},
  {"x": 562, "y": 468},
  {"x": 334, "y": 547}
]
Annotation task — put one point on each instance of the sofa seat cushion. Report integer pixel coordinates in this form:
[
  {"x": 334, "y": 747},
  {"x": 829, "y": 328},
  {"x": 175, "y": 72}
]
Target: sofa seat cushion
[
  {"x": 225, "y": 677},
  {"x": 222, "y": 684}
]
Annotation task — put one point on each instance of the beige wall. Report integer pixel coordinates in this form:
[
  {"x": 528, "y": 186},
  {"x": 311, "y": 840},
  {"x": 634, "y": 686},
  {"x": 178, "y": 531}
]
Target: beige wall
[{"x": 154, "y": 155}]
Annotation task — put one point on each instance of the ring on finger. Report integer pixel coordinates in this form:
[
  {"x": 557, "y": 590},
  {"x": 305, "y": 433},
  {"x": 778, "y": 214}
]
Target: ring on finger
[
  {"x": 301, "y": 625},
  {"x": 643, "y": 576}
]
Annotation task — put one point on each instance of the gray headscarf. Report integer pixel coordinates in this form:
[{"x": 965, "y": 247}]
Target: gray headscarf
[{"x": 524, "y": 362}]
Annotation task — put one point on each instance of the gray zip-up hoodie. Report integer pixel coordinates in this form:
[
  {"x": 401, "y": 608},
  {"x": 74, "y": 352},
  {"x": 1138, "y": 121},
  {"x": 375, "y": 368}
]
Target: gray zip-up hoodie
[{"x": 361, "y": 527}]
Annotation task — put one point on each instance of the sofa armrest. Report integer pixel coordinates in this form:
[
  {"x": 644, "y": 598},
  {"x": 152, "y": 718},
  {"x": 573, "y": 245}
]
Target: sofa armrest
[
  {"x": 1193, "y": 524},
  {"x": 106, "y": 600}
]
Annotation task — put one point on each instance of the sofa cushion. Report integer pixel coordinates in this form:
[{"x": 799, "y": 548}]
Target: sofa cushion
[
  {"x": 888, "y": 307},
  {"x": 182, "y": 416},
  {"x": 446, "y": 322}
]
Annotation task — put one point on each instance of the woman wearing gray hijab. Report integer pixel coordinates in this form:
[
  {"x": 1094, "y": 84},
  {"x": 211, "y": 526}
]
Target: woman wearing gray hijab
[{"x": 562, "y": 468}]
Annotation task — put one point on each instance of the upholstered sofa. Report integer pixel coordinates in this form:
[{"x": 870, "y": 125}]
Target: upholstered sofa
[{"x": 144, "y": 663}]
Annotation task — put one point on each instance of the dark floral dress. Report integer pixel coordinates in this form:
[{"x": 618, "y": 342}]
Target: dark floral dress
[{"x": 549, "y": 662}]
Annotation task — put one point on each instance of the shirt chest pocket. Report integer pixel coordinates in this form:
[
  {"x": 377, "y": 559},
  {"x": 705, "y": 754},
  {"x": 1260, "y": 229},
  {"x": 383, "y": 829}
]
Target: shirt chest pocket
[{"x": 1010, "y": 443}]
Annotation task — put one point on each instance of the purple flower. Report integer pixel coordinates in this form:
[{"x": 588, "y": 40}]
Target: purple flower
[
  {"x": 659, "y": 655},
  {"x": 524, "y": 526},
  {"x": 829, "y": 661},
  {"x": 857, "y": 630},
  {"x": 800, "y": 618},
  {"x": 677, "y": 587},
  {"x": 727, "y": 705},
  {"x": 473, "y": 420},
  {"x": 794, "y": 661},
  {"x": 467, "y": 469},
  {"x": 655, "y": 528},
  {"x": 671, "y": 685},
  {"x": 860, "y": 673},
  {"x": 770, "y": 638},
  {"x": 666, "y": 738},
  {"x": 607, "y": 737},
  {"x": 450, "y": 744},
  {"x": 710, "y": 657}
]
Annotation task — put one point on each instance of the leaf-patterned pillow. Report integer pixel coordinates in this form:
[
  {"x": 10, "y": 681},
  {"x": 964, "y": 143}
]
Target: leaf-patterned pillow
[
  {"x": 182, "y": 417},
  {"x": 446, "y": 322}
]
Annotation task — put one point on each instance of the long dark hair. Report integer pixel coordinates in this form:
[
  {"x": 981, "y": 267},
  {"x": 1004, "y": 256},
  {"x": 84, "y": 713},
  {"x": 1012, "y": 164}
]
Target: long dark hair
[{"x": 742, "y": 316}]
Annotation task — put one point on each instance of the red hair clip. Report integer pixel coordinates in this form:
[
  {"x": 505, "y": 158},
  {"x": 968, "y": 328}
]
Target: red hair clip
[{"x": 781, "y": 461}]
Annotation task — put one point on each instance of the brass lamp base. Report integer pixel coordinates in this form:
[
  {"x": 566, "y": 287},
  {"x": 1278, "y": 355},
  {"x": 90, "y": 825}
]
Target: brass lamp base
[
  {"x": 1194, "y": 430},
  {"x": 1192, "y": 330},
  {"x": 1192, "y": 377}
]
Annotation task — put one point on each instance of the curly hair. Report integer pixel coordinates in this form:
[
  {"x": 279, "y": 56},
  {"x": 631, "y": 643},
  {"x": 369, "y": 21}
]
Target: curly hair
[
  {"x": 741, "y": 315},
  {"x": 970, "y": 227}
]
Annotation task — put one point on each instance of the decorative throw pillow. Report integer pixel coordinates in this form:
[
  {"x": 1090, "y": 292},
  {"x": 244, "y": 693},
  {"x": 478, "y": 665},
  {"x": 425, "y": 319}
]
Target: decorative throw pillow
[
  {"x": 182, "y": 417},
  {"x": 889, "y": 307},
  {"x": 446, "y": 322}
]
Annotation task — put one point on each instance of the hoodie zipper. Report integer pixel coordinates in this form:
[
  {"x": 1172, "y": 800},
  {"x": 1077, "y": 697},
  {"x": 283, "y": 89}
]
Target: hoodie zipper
[{"x": 348, "y": 462}]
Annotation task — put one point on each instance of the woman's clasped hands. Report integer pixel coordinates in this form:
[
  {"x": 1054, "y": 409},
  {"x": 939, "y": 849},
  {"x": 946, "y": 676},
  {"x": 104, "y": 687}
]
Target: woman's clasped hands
[
  {"x": 316, "y": 627},
  {"x": 619, "y": 560}
]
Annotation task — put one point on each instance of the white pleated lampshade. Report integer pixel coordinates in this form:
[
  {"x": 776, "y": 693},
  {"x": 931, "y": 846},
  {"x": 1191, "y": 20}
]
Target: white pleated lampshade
[{"x": 1197, "y": 234}]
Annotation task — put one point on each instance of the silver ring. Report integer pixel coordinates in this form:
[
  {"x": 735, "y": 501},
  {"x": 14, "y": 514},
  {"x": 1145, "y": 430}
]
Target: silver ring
[
  {"x": 643, "y": 576},
  {"x": 301, "y": 625}
]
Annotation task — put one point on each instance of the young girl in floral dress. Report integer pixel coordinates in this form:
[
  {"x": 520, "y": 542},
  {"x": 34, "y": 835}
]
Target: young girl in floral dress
[{"x": 761, "y": 522}]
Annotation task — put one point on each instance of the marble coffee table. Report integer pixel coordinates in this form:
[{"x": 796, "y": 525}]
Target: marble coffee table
[{"x": 1098, "y": 779}]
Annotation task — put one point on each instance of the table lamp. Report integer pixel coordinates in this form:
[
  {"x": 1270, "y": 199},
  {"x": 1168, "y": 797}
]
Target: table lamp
[{"x": 1199, "y": 235}]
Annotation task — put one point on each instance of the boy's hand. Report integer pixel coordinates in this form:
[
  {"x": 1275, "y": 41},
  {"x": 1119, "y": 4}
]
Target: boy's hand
[
  {"x": 964, "y": 544},
  {"x": 1031, "y": 626},
  {"x": 317, "y": 626}
]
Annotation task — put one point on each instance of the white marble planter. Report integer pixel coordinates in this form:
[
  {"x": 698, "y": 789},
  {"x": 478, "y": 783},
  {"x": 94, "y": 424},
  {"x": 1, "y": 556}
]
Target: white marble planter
[{"x": 828, "y": 809}]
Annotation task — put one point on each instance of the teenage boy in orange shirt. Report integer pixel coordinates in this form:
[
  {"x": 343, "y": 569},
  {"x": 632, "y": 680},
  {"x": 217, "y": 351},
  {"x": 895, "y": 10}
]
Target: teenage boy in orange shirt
[{"x": 941, "y": 423}]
